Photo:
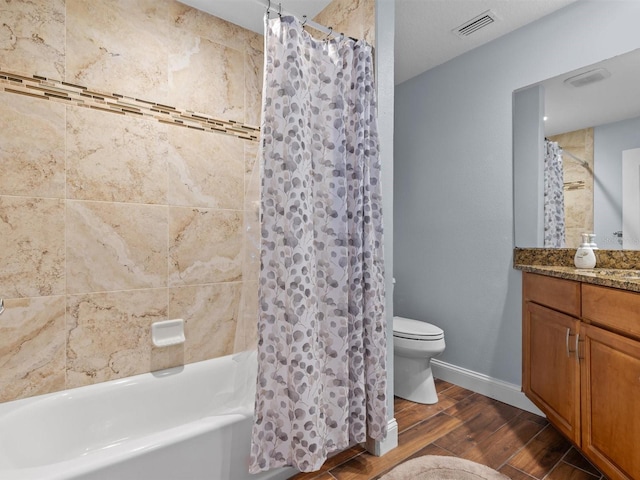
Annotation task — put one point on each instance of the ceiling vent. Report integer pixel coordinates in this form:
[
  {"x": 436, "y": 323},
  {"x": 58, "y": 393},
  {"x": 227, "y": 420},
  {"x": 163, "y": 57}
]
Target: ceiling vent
[
  {"x": 586, "y": 78},
  {"x": 472, "y": 26}
]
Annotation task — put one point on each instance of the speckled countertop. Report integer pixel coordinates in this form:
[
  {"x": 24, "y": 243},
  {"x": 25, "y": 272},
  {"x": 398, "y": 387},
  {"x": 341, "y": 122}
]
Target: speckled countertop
[{"x": 614, "y": 268}]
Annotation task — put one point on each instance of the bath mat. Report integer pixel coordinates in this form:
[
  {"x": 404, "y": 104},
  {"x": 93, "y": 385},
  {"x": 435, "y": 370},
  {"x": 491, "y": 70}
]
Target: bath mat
[{"x": 434, "y": 467}]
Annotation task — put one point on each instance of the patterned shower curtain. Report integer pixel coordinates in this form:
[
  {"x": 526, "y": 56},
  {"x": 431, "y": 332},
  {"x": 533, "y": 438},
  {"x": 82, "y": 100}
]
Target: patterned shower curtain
[
  {"x": 554, "y": 227},
  {"x": 322, "y": 380}
]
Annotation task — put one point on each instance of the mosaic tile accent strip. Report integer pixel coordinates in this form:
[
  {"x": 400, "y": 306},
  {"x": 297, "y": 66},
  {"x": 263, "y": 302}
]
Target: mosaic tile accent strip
[{"x": 47, "y": 89}]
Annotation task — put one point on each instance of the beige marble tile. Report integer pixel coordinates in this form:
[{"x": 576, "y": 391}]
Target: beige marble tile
[
  {"x": 254, "y": 71},
  {"x": 32, "y": 251},
  {"x": 348, "y": 17},
  {"x": 32, "y": 147},
  {"x": 205, "y": 169},
  {"x": 251, "y": 243},
  {"x": 246, "y": 334},
  {"x": 210, "y": 313},
  {"x": 251, "y": 175},
  {"x": 206, "y": 77},
  {"x": 207, "y": 26},
  {"x": 251, "y": 246},
  {"x": 578, "y": 202},
  {"x": 246, "y": 337},
  {"x": 32, "y": 347},
  {"x": 369, "y": 20},
  {"x": 119, "y": 46},
  {"x": 204, "y": 246},
  {"x": 115, "y": 157},
  {"x": 167, "y": 357},
  {"x": 251, "y": 228},
  {"x": 32, "y": 35},
  {"x": 109, "y": 334},
  {"x": 113, "y": 246}
]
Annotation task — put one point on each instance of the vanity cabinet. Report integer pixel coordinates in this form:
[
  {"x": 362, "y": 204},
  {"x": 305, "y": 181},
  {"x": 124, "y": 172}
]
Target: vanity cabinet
[
  {"x": 611, "y": 402},
  {"x": 551, "y": 370},
  {"x": 581, "y": 367}
]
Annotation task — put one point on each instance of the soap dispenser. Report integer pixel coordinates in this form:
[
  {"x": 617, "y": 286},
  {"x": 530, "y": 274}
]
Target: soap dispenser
[{"x": 585, "y": 257}]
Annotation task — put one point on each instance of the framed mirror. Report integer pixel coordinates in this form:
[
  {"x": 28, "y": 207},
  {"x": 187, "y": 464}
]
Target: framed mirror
[{"x": 593, "y": 115}]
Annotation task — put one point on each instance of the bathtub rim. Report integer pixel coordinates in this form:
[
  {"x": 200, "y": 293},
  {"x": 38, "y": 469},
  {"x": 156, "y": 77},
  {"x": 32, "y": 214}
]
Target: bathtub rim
[{"x": 129, "y": 448}]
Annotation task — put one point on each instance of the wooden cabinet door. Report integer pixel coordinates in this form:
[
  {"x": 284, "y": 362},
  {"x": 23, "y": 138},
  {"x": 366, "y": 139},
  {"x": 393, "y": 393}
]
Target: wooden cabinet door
[
  {"x": 551, "y": 371},
  {"x": 611, "y": 406}
]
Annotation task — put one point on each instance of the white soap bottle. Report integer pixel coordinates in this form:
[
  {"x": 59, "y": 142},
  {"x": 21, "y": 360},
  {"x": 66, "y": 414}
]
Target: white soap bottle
[{"x": 585, "y": 258}]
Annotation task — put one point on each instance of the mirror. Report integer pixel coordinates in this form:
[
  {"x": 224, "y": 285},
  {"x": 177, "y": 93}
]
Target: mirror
[{"x": 593, "y": 113}]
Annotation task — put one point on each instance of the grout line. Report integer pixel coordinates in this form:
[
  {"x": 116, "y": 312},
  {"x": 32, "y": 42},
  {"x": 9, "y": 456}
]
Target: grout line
[
  {"x": 581, "y": 469},
  {"x": 577, "y": 467},
  {"x": 506, "y": 462},
  {"x": 558, "y": 462},
  {"x": 523, "y": 472},
  {"x": 523, "y": 448}
]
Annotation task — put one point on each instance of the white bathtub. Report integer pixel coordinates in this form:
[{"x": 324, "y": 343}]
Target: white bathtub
[{"x": 191, "y": 422}]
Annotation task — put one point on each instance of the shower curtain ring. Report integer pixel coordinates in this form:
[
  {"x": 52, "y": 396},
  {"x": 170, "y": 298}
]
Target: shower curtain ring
[
  {"x": 280, "y": 10},
  {"x": 304, "y": 20},
  {"x": 330, "y": 33},
  {"x": 268, "y": 7}
]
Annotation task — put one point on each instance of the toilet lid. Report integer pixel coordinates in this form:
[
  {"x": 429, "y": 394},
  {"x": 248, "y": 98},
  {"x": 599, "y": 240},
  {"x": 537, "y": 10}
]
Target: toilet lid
[{"x": 415, "y": 329}]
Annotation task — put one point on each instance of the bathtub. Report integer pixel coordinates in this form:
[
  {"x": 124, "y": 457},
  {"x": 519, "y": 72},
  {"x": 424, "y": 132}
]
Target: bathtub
[{"x": 185, "y": 423}]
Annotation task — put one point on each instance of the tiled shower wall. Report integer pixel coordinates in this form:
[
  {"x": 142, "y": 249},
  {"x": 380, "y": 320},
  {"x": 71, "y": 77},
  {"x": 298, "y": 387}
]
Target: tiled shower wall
[
  {"x": 112, "y": 221},
  {"x": 109, "y": 222},
  {"x": 578, "y": 183}
]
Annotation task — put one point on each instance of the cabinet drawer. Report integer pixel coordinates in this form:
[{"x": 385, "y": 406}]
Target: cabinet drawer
[
  {"x": 557, "y": 293},
  {"x": 617, "y": 310}
]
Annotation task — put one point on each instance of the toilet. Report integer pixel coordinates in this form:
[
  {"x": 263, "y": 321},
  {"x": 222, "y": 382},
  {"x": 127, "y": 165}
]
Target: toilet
[{"x": 415, "y": 343}]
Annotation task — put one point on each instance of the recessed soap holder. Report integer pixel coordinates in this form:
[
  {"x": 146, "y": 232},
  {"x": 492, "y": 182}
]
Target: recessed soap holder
[{"x": 167, "y": 333}]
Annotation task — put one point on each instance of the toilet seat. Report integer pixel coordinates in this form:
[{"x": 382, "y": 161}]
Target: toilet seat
[{"x": 416, "y": 330}]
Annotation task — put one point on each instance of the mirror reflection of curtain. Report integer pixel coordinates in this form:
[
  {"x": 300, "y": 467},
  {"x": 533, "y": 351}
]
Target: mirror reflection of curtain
[{"x": 554, "y": 222}]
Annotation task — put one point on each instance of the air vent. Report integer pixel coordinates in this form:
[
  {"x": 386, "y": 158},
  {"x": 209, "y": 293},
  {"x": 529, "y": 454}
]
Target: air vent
[
  {"x": 475, "y": 24},
  {"x": 586, "y": 78}
]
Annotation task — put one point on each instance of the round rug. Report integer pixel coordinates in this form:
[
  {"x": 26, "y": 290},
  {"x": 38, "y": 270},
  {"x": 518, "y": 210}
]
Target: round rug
[{"x": 434, "y": 467}]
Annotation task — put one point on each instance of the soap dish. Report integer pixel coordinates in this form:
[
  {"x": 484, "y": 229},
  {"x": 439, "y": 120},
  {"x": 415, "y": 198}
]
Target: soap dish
[{"x": 167, "y": 333}]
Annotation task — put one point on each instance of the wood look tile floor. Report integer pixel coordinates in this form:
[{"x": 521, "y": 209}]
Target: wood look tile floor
[{"x": 464, "y": 424}]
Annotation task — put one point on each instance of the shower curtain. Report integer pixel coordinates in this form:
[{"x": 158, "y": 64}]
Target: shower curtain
[
  {"x": 321, "y": 382},
  {"x": 554, "y": 224}
]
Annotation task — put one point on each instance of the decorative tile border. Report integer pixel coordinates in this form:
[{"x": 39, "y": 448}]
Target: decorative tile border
[{"x": 77, "y": 95}]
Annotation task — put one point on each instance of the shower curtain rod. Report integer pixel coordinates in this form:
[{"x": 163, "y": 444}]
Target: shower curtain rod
[
  {"x": 277, "y": 8},
  {"x": 577, "y": 159},
  {"x": 582, "y": 162}
]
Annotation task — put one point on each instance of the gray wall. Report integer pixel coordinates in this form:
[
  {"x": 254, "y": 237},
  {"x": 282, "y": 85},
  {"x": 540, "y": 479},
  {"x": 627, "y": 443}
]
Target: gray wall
[
  {"x": 385, "y": 33},
  {"x": 453, "y": 179},
  {"x": 608, "y": 143},
  {"x": 528, "y": 166}
]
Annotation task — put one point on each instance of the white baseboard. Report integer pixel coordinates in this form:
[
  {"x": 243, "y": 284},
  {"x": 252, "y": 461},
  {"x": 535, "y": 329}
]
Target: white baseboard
[
  {"x": 379, "y": 448},
  {"x": 488, "y": 386}
]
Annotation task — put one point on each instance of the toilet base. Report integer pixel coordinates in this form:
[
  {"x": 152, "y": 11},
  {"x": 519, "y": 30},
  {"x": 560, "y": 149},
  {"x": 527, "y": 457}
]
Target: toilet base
[{"x": 413, "y": 380}]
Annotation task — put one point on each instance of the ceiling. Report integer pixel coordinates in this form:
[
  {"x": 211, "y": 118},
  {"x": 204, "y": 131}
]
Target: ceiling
[
  {"x": 569, "y": 108},
  {"x": 250, "y": 13},
  {"x": 424, "y": 37}
]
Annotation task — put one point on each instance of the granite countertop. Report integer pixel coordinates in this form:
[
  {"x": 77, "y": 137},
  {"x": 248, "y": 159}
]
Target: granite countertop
[
  {"x": 623, "y": 279},
  {"x": 614, "y": 268}
]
